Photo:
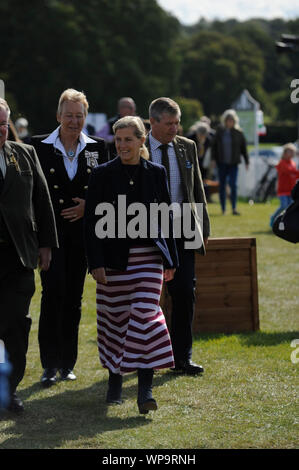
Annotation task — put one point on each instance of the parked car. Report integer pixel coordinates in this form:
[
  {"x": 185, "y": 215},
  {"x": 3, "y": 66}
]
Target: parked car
[{"x": 273, "y": 153}]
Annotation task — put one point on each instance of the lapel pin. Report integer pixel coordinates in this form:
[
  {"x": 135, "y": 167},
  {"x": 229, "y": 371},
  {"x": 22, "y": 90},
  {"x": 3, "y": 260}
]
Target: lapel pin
[{"x": 13, "y": 161}]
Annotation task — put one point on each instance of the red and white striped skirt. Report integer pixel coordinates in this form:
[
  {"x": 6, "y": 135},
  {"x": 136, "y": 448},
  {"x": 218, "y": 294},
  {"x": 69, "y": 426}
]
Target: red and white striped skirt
[{"x": 131, "y": 328}]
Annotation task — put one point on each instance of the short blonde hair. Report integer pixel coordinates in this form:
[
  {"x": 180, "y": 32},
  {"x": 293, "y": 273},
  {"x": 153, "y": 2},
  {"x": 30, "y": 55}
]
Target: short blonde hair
[
  {"x": 139, "y": 130},
  {"x": 288, "y": 146},
  {"x": 72, "y": 95}
]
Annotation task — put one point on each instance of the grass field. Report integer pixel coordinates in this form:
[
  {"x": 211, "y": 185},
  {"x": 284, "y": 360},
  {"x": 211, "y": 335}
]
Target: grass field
[{"x": 246, "y": 399}]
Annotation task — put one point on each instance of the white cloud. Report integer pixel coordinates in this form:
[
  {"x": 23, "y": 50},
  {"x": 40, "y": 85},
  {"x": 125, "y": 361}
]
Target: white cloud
[{"x": 189, "y": 11}]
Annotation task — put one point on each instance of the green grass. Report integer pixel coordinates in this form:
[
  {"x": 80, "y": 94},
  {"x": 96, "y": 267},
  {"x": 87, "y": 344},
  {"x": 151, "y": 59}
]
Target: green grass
[{"x": 245, "y": 399}]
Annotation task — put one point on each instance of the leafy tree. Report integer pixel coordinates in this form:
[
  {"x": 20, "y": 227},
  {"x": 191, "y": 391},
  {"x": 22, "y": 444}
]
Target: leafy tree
[
  {"x": 106, "y": 48},
  {"x": 191, "y": 110},
  {"x": 216, "y": 68}
]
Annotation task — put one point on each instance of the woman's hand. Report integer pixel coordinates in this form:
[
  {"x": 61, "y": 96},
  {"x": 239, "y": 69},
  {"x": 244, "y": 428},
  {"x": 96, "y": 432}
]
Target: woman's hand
[
  {"x": 76, "y": 212},
  {"x": 99, "y": 275},
  {"x": 44, "y": 258},
  {"x": 168, "y": 274}
]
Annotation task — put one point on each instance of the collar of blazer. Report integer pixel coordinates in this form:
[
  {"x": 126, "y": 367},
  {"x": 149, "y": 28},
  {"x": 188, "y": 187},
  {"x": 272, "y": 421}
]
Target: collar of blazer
[
  {"x": 116, "y": 165},
  {"x": 12, "y": 164},
  {"x": 148, "y": 182}
]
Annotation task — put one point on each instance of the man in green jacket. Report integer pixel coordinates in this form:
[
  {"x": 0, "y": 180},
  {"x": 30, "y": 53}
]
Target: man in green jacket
[{"x": 27, "y": 233}]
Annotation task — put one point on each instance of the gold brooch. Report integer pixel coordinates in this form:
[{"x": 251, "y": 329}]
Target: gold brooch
[{"x": 13, "y": 161}]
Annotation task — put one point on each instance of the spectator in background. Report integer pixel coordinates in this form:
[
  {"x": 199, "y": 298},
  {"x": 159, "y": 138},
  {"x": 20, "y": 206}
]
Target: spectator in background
[
  {"x": 12, "y": 132},
  {"x": 228, "y": 146},
  {"x": 126, "y": 107},
  {"x": 287, "y": 176},
  {"x": 67, "y": 157},
  {"x": 200, "y": 133},
  {"x": 21, "y": 126},
  {"x": 207, "y": 120}
]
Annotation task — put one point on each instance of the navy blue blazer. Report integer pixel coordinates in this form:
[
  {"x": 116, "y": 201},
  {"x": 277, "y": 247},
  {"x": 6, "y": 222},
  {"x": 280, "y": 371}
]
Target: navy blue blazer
[
  {"x": 61, "y": 188},
  {"x": 106, "y": 183}
]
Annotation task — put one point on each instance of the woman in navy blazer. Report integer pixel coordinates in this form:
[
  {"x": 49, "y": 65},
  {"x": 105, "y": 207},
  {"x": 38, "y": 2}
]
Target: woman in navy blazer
[
  {"x": 132, "y": 332},
  {"x": 67, "y": 157}
]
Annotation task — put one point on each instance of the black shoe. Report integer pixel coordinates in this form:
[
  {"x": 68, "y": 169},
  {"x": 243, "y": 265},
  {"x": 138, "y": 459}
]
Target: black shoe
[
  {"x": 145, "y": 400},
  {"x": 49, "y": 377},
  {"x": 114, "y": 389},
  {"x": 235, "y": 212},
  {"x": 148, "y": 405},
  {"x": 188, "y": 367},
  {"x": 67, "y": 374},
  {"x": 15, "y": 404}
]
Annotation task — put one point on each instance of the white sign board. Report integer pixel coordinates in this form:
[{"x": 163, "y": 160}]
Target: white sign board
[{"x": 246, "y": 108}]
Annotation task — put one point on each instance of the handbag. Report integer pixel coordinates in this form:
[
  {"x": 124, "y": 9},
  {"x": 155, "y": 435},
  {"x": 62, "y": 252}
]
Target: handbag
[{"x": 286, "y": 224}]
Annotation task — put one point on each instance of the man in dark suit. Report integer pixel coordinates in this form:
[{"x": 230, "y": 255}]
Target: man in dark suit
[
  {"x": 27, "y": 233},
  {"x": 67, "y": 157},
  {"x": 125, "y": 107},
  {"x": 185, "y": 184}
]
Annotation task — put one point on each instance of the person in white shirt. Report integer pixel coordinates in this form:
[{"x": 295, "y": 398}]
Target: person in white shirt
[{"x": 67, "y": 157}]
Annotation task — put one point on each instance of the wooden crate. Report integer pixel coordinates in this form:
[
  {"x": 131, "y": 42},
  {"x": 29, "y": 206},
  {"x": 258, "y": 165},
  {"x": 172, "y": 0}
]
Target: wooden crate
[{"x": 226, "y": 288}]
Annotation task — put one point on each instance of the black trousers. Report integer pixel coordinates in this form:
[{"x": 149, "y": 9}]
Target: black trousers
[
  {"x": 182, "y": 292},
  {"x": 17, "y": 287},
  {"x": 62, "y": 289}
]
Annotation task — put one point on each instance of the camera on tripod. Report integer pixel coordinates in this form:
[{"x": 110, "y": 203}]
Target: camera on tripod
[{"x": 288, "y": 43}]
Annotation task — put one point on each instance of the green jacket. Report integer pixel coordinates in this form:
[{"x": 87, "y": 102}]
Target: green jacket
[
  {"x": 186, "y": 153},
  {"x": 25, "y": 204}
]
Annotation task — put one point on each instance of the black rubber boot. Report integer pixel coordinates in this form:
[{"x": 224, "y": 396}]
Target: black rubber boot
[
  {"x": 114, "y": 388},
  {"x": 145, "y": 398}
]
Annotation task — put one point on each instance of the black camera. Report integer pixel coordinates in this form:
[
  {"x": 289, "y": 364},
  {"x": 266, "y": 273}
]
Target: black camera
[{"x": 288, "y": 43}]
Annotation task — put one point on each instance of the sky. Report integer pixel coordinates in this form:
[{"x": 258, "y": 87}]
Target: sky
[{"x": 188, "y": 12}]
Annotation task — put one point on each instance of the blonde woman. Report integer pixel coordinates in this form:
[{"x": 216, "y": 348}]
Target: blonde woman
[
  {"x": 228, "y": 146},
  {"x": 132, "y": 332},
  {"x": 67, "y": 157}
]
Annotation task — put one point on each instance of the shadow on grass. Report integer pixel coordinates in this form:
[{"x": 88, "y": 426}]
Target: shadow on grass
[
  {"x": 72, "y": 415},
  {"x": 268, "y": 339},
  {"x": 254, "y": 338},
  {"x": 263, "y": 232}
]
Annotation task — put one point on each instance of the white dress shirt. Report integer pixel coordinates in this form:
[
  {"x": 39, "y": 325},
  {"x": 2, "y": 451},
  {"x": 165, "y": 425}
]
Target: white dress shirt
[
  {"x": 176, "y": 190},
  {"x": 2, "y": 163},
  {"x": 71, "y": 166}
]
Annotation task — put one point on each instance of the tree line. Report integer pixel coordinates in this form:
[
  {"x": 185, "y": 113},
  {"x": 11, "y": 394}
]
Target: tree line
[{"x": 114, "y": 48}]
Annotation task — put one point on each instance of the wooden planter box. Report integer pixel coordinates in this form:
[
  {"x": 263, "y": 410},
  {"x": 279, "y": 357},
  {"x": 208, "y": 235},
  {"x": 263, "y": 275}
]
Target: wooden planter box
[{"x": 226, "y": 288}]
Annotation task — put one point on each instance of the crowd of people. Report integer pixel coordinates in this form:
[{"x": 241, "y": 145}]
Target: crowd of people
[{"x": 51, "y": 188}]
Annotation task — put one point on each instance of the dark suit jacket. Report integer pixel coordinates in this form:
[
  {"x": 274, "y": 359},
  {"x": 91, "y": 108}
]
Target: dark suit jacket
[
  {"x": 193, "y": 189},
  {"x": 295, "y": 192},
  {"x": 106, "y": 183},
  {"x": 25, "y": 203},
  {"x": 61, "y": 188}
]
